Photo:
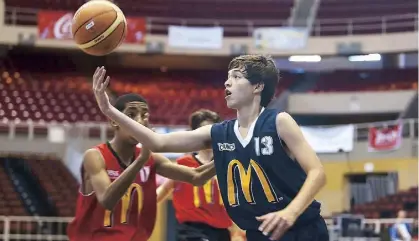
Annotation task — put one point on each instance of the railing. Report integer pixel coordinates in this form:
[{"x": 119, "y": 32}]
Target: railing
[
  {"x": 17, "y": 228},
  {"x": 353, "y": 26},
  {"x": 245, "y": 27},
  {"x": 31, "y": 130}
]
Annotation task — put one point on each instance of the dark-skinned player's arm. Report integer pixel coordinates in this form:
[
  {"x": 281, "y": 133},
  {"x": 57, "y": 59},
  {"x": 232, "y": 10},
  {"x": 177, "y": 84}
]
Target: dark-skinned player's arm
[
  {"x": 109, "y": 193},
  {"x": 181, "y": 142},
  {"x": 195, "y": 176},
  {"x": 164, "y": 191},
  {"x": 278, "y": 222}
]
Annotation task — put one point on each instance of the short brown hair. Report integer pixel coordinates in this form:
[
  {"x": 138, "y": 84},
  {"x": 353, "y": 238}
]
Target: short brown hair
[
  {"x": 259, "y": 69},
  {"x": 196, "y": 119}
]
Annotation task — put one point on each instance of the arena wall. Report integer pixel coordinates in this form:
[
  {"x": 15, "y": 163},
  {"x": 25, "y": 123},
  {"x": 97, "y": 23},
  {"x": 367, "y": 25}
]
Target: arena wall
[
  {"x": 42, "y": 144},
  {"x": 367, "y": 102},
  {"x": 407, "y": 42},
  {"x": 376, "y": 43},
  {"x": 334, "y": 197}
]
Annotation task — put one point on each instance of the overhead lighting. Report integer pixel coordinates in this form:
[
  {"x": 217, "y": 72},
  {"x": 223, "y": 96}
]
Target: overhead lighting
[
  {"x": 305, "y": 58},
  {"x": 367, "y": 57}
]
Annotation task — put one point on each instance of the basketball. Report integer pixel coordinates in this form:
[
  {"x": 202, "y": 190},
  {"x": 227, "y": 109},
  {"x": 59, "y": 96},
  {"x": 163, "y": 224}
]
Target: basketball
[{"x": 99, "y": 27}]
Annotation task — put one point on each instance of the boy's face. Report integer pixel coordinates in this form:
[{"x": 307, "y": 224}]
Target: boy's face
[
  {"x": 138, "y": 111},
  {"x": 239, "y": 91}
]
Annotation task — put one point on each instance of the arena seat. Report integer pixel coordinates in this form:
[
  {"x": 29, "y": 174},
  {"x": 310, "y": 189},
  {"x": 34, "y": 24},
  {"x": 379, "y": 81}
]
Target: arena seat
[
  {"x": 66, "y": 97},
  {"x": 228, "y": 14},
  {"x": 365, "y": 17},
  {"x": 264, "y": 9},
  {"x": 333, "y": 17},
  {"x": 10, "y": 202},
  {"x": 387, "y": 207},
  {"x": 367, "y": 80},
  {"x": 58, "y": 182}
]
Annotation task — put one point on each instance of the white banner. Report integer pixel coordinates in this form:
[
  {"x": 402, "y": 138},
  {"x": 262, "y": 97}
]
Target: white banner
[
  {"x": 330, "y": 139},
  {"x": 280, "y": 38},
  {"x": 196, "y": 37}
]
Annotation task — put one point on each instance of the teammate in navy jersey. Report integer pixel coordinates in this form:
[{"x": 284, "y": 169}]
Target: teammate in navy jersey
[{"x": 268, "y": 174}]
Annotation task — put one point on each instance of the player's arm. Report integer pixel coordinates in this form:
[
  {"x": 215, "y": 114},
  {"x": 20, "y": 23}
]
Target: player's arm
[
  {"x": 183, "y": 141},
  {"x": 195, "y": 176},
  {"x": 165, "y": 190},
  {"x": 291, "y": 134},
  {"x": 109, "y": 193}
]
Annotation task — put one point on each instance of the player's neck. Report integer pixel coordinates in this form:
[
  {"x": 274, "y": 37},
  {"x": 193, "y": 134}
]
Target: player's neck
[
  {"x": 205, "y": 156},
  {"x": 122, "y": 149},
  {"x": 247, "y": 114}
]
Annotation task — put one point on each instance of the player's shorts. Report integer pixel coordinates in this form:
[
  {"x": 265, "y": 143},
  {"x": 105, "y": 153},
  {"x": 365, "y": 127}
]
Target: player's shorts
[
  {"x": 201, "y": 232},
  {"x": 313, "y": 231}
]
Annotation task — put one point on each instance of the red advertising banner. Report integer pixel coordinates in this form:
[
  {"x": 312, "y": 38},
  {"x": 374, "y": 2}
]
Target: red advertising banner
[
  {"x": 57, "y": 25},
  {"x": 385, "y": 138}
]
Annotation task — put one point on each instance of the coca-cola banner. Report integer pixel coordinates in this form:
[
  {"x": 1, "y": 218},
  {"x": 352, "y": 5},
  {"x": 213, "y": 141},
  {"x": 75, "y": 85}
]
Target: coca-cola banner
[
  {"x": 57, "y": 25},
  {"x": 385, "y": 138}
]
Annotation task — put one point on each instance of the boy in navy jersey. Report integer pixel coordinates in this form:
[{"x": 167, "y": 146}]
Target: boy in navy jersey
[{"x": 268, "y": 174}]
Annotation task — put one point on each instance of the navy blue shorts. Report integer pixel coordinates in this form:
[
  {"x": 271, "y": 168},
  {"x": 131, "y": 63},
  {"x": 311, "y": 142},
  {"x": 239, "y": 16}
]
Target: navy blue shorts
[
  {"x": 201, "y": 232},
  {"x": 313, "y": 231}
]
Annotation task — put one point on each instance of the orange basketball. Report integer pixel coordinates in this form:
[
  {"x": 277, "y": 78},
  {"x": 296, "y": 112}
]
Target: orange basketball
[{"x": 99, "y": 27}]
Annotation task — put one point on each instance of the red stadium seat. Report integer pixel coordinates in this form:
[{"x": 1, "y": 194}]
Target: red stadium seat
[{"x": 10, "y": 202}]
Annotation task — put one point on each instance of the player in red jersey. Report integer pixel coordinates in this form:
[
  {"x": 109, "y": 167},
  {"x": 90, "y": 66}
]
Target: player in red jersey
[
  {"x": 117, "y": 198},
  {"x": 199, "y": 210}
]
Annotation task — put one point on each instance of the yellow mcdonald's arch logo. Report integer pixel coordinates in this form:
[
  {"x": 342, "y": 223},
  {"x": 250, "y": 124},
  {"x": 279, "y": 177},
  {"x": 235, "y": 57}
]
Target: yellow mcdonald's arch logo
[
  {"x": 125, "y": 205},
  {"x": 209, "y": 193},
  {"x": 245, "y": 177}
]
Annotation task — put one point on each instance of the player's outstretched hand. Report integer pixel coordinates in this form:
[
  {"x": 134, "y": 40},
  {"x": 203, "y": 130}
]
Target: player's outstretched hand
[
  {"x": 275, "y": 224},
  {"x": 99, "y": 89}
]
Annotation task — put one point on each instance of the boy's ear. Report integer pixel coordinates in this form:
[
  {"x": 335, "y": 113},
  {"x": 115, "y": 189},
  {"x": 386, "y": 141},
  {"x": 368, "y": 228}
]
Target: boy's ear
[
  {"x": 259, "y": 87},
  {"x": 114, "y": 125}
]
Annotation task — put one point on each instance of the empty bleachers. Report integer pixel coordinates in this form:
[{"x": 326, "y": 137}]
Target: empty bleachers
[
  {"x": 58, "y": 182},
  {"x": 10, "y": 202},
  {"x": 387, "y": 207},
  {"x": 238, "y": 18},
  {"x": 172, "y": 96},
  {"x": 232, "y": 15},
  {"x": 342, "y": 17},
  {"x": 367, "y": 80}
]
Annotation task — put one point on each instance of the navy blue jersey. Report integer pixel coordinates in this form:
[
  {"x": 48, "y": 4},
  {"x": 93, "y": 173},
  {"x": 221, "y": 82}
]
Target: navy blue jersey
[{"x": 255, "y": 174}]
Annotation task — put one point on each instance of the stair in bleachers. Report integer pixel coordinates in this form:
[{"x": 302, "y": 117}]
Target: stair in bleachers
[
  {"x": 34, "y": 198},
  {"x": 10, "y": 202},
  {"x": 58, "y": 183}
]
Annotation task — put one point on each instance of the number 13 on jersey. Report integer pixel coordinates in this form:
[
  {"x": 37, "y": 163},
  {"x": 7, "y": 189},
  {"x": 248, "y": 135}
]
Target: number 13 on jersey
[{"x": 267, "y": 146}]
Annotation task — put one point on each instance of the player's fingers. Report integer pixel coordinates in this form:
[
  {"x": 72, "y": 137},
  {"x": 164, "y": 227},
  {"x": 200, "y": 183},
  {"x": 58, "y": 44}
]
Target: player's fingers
[
  {"x": 271, "y": 225},
  {"x": 267, "y": 220},
  {"x": 95, "y": 76},
  {"x": 277, "y": 234},
  {"x": 106, "y": 83},
  {"x": 261, "y": 218},
  {"x": 102, "y": 75},
  {"x": 96, "y": 70},
  {"x": 279, "y": 230}
]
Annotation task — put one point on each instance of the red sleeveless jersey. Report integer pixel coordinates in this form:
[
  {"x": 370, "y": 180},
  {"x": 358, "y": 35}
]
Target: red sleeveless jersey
[
  {"x": 199, "y": 204},
  {"x": 134, "y": 215}
]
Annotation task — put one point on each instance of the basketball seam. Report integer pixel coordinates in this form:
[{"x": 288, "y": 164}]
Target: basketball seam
[
  {"x": 110, "y": 35},
  {"x": 90, "y": 19}
]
